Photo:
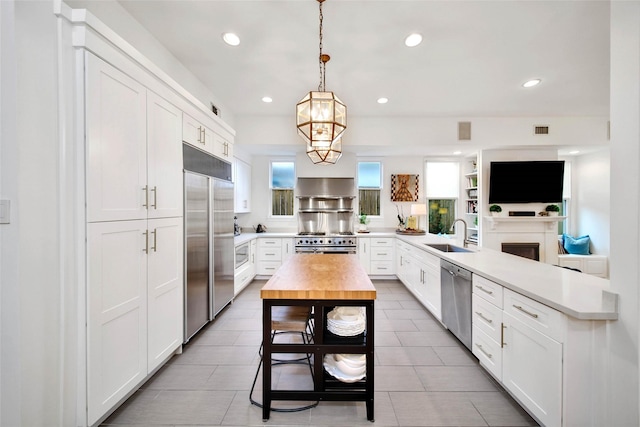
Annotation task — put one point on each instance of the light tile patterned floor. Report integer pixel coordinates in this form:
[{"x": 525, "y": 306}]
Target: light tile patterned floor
[{"x": 424, "y": 376}]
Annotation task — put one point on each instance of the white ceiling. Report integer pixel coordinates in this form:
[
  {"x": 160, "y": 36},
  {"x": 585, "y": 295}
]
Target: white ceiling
[{"x": 472, "y": 62}]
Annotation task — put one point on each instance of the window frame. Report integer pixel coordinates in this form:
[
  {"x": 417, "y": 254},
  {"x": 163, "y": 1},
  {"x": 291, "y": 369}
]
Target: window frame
[{"x": 455, "y": 198}]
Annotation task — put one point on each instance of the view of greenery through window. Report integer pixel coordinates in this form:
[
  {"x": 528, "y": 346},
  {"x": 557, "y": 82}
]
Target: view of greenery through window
[
  {"x": 282, "y": 184},
  {"x": 369, "y": 185}
]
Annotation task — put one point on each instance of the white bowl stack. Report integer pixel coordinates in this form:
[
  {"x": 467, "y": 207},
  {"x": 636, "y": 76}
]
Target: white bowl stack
[
  {"x": 346, "y": 321},
  {"x": 347, "y": 368}
]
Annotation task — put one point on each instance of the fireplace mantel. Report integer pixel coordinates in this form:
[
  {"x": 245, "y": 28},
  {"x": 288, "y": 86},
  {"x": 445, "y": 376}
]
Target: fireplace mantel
[{"x": 550, "y": 221}]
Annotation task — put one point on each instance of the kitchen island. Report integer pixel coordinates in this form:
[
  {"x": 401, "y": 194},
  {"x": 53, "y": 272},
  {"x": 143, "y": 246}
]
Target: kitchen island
[{"x": 321, "y": 281}]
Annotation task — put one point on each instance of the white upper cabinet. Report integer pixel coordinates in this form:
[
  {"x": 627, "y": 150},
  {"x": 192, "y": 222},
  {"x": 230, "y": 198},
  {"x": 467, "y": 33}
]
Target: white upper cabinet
[
  {"x": 242, "y": 186},
  {"x": 164, "y": 158},
  {"x": 116, "y": 144},
  {"x": 196, "y": 134},
  {"x": 134, "y": 153},
  {"x": 222, "y": 147}
]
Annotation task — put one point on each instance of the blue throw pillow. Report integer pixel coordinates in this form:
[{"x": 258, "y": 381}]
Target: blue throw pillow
[{"x": 576, "y": 245}]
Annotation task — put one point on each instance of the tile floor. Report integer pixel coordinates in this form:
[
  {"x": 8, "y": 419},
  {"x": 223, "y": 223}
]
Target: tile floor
[{"x": 424, "y": 377}]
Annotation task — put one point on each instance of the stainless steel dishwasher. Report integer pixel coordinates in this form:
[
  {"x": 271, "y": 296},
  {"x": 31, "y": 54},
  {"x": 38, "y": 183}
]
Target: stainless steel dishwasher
[{"x": 455, "y": 284}]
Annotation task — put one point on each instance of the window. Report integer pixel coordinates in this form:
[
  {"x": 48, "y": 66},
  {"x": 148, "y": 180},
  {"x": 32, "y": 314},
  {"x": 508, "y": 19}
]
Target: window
[
  {"x": 369, "y": 187},
  {"x": 442, "y": 190},
  {"x": 282, "y": 183}
]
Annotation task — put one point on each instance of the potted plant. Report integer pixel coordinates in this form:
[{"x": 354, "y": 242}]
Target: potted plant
[
  {"x": 552, "y": 210},
  {"x": 363, "y": 222},
  {"x": 495, "y": 210}
]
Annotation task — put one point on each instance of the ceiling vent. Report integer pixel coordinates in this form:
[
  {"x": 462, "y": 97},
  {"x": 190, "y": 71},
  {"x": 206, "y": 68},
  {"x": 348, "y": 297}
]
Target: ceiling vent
[
  {"x": 541, "y": 130},
  {"x": 464, "y": 131},
  {"x": 215, "y": 109}
]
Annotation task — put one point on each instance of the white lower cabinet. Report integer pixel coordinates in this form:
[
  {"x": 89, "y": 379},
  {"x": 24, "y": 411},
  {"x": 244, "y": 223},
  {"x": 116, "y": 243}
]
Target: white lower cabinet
[
  {"x": 420, "y": 273},
  {"x": 164, "y": 289},
  {"x": 532, "y": 370},
  {"x": 134, "y": 305},
  {"x": 377, "y": 255},
  {"x": 272, "y": 252},
  {"x": 245, "y": 273}
]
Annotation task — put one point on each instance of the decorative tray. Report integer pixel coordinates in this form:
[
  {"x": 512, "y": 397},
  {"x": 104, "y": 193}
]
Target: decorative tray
[{"x": 411, "y": 232}]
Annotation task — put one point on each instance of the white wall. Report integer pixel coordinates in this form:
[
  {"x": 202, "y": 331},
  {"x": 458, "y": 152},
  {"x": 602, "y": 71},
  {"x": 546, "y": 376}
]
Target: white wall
[
  {"x": 591, "y": 199},
  {"x": 623, "y": 387}
]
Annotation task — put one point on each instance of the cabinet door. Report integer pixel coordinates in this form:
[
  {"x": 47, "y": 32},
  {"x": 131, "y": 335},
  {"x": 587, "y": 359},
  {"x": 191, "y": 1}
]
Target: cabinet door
[
  {"x": 242, "y": 186},
  {"x": 222, "y": 147},
  {"x": 164, "y": 158},
  {"x": 532, "y": 370},
  {"x": 164, "y": 289},
  {"x": 195, "y": 133},
  {"x": 431, "y": 278},
  {"x": 364, "y": 253},
  {"x": 116, "y": 312},
  {"x": 116, "y": 148},
  {"x": 288, "y": 248}
]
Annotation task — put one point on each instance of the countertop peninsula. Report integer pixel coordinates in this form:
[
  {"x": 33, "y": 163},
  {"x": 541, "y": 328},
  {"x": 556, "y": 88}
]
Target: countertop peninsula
[{"x": 578, "y": 295}]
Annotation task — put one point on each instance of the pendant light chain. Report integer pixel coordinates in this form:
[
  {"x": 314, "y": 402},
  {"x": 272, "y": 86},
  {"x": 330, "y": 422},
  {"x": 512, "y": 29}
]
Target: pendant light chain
[{"x": 321, "y": 62}]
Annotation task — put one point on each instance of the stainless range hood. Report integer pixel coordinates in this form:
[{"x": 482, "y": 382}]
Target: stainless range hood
[
  {"x": 325, "y": 187},
  {"x": 325, "y": 205}
]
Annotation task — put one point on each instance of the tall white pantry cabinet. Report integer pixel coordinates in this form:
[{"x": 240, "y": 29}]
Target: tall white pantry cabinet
[{"x": 134, "y": 211}]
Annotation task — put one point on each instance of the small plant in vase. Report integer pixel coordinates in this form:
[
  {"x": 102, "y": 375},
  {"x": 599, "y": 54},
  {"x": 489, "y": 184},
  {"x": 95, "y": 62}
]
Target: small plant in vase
[
  {"x": 363, "y": 220},
  {"x": 495, "y": 210},
  {"x": 552, "y": 210}
]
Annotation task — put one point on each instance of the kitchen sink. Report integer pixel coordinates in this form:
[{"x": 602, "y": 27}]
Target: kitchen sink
[{"x": 445, "y": 247}]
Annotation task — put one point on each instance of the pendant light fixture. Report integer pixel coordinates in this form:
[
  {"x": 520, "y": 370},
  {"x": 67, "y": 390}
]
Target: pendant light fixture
[{"x": 321, "y": 117}]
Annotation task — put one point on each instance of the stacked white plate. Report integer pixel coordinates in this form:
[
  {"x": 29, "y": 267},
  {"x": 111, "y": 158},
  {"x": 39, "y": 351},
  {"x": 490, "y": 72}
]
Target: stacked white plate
[
  {"x": 346, "y": 321},
  {"x": 347, "y": 368}
]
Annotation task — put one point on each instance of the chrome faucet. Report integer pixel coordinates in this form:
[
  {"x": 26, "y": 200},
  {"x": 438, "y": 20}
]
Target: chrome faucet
[{"x": 465, "y": 241}]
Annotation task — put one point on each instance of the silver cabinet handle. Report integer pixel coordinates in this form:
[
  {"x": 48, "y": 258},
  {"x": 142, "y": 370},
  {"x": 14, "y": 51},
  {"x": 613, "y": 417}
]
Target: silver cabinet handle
[
  {"x": 382, "y": 253},
  {"x": 502, "y": 343},
  {"x": 154, "y": 190},
  {"x": 519, "y": 307},
  {"x": 484, "y": 290},
  {"x": 146, "y": 196},
  {"x": 155, "y": 240},
  {"x": 146, "y": 241},
  {"x": 483, "y": 317},
  {"x": 270, "y": 254},
  {"x": 484, "y": 351}
]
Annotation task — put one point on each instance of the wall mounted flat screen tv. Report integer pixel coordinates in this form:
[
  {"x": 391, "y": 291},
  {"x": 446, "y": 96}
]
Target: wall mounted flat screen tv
[{"x": 526, "y": 182}]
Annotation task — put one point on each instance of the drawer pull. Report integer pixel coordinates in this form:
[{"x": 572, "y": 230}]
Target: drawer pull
[
  {"x": 269, "y": 254},
  {"x": 519, "y": 307},
  {"x": 483, "y": 317},
  {"x": 382, "y": 253},
  {"x": 484, "y": 290},
  {"x": 490, "y": 356}
]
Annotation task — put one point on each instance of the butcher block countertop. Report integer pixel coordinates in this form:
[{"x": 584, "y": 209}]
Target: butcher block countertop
[{"x": 320, "y": 276}]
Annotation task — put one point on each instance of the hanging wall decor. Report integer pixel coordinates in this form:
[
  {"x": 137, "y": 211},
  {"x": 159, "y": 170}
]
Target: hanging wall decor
[{"x": 404, "y": 188}]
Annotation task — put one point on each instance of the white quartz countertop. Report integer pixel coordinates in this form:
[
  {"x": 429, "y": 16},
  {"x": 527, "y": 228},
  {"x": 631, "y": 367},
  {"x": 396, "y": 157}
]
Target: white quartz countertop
[{"x": 578, "y": 295}]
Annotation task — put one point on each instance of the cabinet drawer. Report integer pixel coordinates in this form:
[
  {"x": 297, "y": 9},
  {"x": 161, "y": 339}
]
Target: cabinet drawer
[
  {"x": 382, "y": 241},
  {"x": 382, "y": 267},
  {"x": 487, "y": 351},
  {"x": 487, "y": 317},
  {"x": 268, "y": 267},
  {"x": 270, "y": 254},
  {"x": 269, "y": 243},
  {"x": 538, "y": 316},
  {"x": 381, "y": 254},
  {"x": 488, "y": 290}
]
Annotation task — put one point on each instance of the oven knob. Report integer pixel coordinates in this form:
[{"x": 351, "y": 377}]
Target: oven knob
[{"x": 315, "y": 241}]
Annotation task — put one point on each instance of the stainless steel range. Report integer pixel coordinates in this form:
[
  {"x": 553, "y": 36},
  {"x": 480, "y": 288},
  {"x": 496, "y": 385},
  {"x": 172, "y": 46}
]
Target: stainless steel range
[{"x": 320, "y": 243}]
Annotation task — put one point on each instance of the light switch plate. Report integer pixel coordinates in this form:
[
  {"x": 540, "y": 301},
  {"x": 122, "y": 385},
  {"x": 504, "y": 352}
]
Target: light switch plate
[{"x": 5, "y": 209}]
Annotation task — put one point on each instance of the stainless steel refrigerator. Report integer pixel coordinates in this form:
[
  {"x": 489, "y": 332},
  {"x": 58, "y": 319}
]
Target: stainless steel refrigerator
[{"x": 209, "y": 235}]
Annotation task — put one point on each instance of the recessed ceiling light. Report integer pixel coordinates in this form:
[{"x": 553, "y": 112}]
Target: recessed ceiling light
[
  {"x": 457, "y": 153},
  {"x": 413, "y": 39},
  {"x": 267, "y": 99},
  {"x": 531, "y": 83},
  {"x": 231, "y": 39},
  {"x": 382, "y": 100},
  {"x": 574, "y": 152}
]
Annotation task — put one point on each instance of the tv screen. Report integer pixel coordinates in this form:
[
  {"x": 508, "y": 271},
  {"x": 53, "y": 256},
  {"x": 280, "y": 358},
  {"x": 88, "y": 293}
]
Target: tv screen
[{"x": 526, "y": 182}]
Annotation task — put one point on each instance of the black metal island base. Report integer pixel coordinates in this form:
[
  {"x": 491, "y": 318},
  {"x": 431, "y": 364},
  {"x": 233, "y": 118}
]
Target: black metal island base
[{"x": 322, "y": 282}]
